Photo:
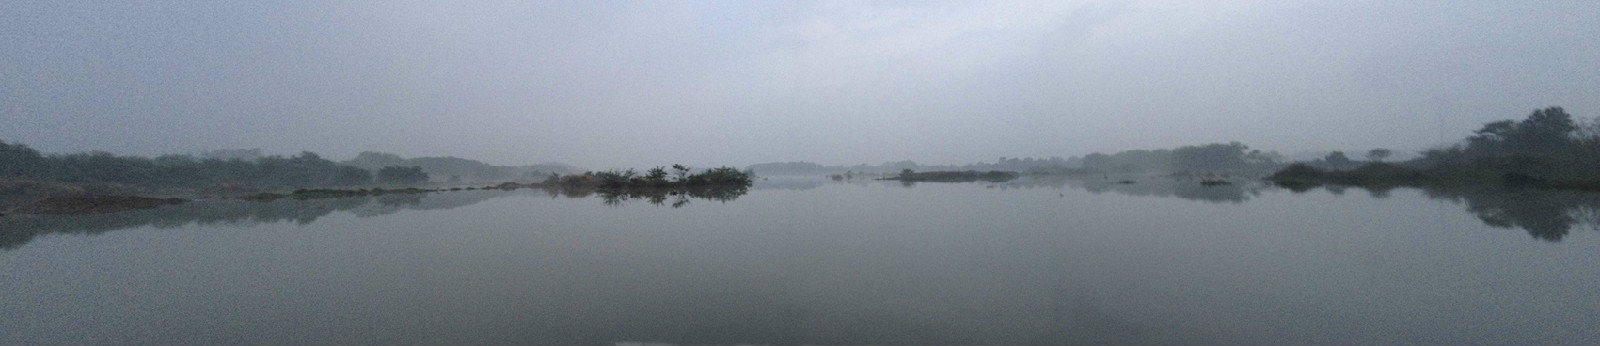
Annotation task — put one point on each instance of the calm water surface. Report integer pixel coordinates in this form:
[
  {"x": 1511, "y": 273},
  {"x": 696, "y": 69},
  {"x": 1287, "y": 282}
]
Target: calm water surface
[{"x": 798, "y": 261}]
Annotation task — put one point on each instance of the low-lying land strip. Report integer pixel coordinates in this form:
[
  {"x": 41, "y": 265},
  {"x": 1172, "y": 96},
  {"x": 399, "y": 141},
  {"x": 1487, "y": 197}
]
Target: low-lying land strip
[{"x": 954, "y": 176}]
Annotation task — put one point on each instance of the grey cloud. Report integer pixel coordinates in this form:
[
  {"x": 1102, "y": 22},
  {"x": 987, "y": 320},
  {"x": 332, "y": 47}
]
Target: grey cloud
[{"x": 628, "y": 84}]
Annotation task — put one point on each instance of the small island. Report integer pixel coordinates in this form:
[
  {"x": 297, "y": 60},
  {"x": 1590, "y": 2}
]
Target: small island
[{"x": 625, "y": 182}]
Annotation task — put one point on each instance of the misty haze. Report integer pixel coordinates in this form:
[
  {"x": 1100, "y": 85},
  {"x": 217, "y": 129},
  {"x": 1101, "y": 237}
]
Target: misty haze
[{"x": 788, "y": 173}]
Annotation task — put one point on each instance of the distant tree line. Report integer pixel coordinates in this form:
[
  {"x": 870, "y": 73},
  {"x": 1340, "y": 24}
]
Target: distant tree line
[
  {"x": 19, "y": 162},
  {"x": 455, "y": 169},
  {"x": 1051, "y": 165},
  {"x": 1232, "y": 157},
  {"x": 1548, "y": 145},
  {"x": 1209, "y": 158},
  {"x": 1548, "y": 148}
]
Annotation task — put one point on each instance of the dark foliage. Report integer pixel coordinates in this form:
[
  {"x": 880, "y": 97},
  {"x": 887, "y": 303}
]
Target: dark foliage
[
  {"x": 655, "y": 178},
  {"x": 1548, "y": 149},
  {"x": 721, "y": 176},
  {"x": 19, "y": 162},
  {"x": 1301, "y": 175},
  {"x": 1194, "y": 159}
]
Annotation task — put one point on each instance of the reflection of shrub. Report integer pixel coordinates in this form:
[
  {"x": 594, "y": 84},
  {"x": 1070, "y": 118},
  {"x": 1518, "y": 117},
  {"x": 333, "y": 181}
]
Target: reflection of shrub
[
  {"x": 720, "y": 193},
  {"x": 660, "y": 196}
]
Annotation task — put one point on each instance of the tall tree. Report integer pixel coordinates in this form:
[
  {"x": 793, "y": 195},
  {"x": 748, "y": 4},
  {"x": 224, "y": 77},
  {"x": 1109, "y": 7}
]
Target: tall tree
[
  {"x": 1378, "y": 154},
  {"x": 1337, "y": 159}
]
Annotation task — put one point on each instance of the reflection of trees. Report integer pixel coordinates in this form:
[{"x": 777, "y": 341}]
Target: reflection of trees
[
  {"x": 581, "y": 191},
  {"x": 1191, "y": 189},
  {"x": 679, "y": 197},
  {"x": 1546, "y": 215},
  {"x": 15, "y": 231},
  {"x": 18, "y": 230}
]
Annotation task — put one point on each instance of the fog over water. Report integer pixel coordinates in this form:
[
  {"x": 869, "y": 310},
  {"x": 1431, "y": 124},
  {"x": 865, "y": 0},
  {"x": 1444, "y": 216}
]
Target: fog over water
[
  {"x": 799, "y": 172},
  {"x": 634, "y": 84}
]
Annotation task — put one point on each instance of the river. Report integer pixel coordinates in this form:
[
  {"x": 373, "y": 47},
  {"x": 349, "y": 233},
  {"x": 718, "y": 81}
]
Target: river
[{"x": 811, "y": 261}]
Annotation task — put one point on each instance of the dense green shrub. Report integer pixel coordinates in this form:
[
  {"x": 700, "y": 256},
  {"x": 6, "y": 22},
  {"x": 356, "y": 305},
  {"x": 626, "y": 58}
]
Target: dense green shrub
[{"x": 18, "y": 161}]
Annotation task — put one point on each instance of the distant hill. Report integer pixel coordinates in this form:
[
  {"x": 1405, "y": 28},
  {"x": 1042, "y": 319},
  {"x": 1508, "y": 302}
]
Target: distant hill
[
  {"x": 447, "y": 168},
  {"x": 802, "y": 168},
  {"x": 791, "y": 168}
]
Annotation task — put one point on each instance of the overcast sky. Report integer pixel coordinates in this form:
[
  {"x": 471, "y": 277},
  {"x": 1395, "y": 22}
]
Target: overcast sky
[{"x": 606, "y": 84}]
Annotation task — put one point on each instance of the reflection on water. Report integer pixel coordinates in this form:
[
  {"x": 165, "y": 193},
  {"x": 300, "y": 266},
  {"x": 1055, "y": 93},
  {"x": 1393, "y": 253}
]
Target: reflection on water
[
  {"x": 1545, "y": 215},
  {"x": 1026, "y": 262},
  {"x": 16, "y": 231},
  {"x": 678, "y": 197},
  {"x": 1235, "y": 192}
]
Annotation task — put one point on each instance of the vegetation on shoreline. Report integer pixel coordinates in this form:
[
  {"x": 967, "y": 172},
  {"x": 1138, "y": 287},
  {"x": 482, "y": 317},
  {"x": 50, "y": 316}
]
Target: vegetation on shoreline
[
  {"x": 28, "y": 177},
  {"x": 334, "y": 193},
  {"x": 454, "y": 170},
  {"x": 1231, "y": 158},
  {"x": 1546, "y": 150},
  {"x": 94, "y": 169},
  {"x": 1189, "y": 160},
  {"x": 627, "y": 182},
  {"x": 655, "y": 178},
  {"x": 657, "y": 185}
]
